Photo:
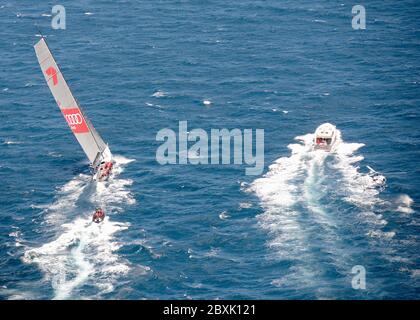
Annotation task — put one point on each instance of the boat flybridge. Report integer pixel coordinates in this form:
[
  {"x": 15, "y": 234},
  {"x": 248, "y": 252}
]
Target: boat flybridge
[
  {"x": 93, "y": 145},
  {"x": 325, "y": 137}
]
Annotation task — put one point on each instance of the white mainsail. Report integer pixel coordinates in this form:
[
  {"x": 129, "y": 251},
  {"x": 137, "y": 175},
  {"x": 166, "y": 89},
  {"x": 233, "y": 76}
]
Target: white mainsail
[{"x": 89, "y": 139}]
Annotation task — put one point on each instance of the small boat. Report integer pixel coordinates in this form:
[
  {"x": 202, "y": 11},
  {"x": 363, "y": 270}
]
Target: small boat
[
  {"x": 98, "y": 216},
  {"x": 96, "y": 150},
  {"x": 325, "y": 137}
]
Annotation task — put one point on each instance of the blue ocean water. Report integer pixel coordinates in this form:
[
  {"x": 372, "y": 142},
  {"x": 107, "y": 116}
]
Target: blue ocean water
[{"x": 207, "y": 231}]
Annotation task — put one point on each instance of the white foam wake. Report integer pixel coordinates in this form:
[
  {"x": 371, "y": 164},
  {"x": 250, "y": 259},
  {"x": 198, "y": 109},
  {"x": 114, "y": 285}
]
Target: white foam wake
[
  {"x": 84, "y": 253},
  {"x": 362, "y": 189},
  {"x": 302, "y": 180},
  {"x": 280, "y": 192}
]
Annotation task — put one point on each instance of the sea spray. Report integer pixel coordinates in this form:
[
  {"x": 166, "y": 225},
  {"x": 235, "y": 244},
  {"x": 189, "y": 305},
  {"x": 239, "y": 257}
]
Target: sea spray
[{"x": 84, "y": 252}]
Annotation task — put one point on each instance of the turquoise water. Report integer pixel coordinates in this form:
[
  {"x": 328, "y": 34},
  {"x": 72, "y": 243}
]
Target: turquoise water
[{"x": 210, "y": 231}]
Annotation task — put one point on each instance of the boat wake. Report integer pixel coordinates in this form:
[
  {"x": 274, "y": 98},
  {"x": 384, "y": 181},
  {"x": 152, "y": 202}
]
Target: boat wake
[
  {"x": 82, "y": 253},
  {"x": 306, "y": 198}
]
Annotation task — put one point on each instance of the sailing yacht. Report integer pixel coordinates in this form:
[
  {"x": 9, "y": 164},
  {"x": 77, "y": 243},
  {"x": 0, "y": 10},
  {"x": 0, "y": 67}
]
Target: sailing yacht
[{"x": 96, "y": 150}]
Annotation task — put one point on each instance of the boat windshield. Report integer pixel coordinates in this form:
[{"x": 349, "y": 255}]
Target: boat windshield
[{"x": 323, "y": 141}]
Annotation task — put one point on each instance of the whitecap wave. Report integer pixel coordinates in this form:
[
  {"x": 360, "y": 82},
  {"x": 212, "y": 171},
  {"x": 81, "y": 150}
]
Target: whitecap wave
[
  {"x": 9, "y": 142},
  {"x": 404, "y": 203},
  {"x": 223, "y": 215},
  {"x": 159, "y": 94}
]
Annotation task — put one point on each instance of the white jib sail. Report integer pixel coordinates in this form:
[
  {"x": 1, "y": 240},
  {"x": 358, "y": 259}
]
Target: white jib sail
[{"x": 91, "y": 142}]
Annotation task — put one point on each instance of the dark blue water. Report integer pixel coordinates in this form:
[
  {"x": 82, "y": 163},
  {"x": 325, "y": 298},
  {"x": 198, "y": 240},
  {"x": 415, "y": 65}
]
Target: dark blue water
[{"x": 194, "y": 232}]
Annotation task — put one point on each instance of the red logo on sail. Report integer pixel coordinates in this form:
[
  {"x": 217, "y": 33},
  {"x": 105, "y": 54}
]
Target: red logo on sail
[
  {"x": 53, "y": 73},
  {"x": 75, "y": 120}
]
